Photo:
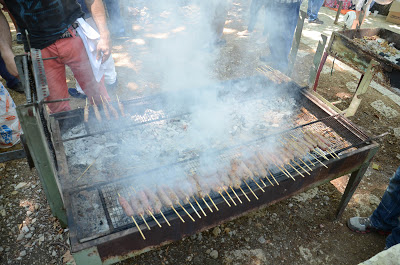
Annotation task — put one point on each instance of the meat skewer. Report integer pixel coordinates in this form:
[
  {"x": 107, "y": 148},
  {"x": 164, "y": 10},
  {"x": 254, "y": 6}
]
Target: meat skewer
[
  {"x": 121, "y": 107},
  {"x": 129, "y": 212},
  {"x": 237, "y": 182},
  {"x": 96, "y": 111},
  {"x": 265, "y": 164},
  {"x": 310, "y": 147},
  {"x": 138, "y": 209},
  {"x": 106, "y": 113},
  {"x": 156, "y": 203},
  {"x": 167, "y": 202},
  {"x": 146, "y": 205},
  {"x": 183, "y": 196},
  {"x": 201, "y": 191},
  {"x": 218, "y": 187},
  {"x": 86, "y": 112},
  {"x": 175, "y": 199},
  {"x": 253, "y": 168},
  {"x": 193, "y": 183},
  {"x": 224, "y": 178}
]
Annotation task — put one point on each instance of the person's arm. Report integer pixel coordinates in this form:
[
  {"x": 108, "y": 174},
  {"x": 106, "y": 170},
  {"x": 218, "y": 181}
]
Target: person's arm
[
  {"x": 5, "y": 46},
  {"x": 99, "y": 15}
]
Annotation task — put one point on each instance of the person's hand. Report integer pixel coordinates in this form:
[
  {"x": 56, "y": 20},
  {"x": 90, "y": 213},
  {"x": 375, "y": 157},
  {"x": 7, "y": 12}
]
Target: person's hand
[
  {"x": 103, "y": 48},
  {"x": 8, "y": 58}
]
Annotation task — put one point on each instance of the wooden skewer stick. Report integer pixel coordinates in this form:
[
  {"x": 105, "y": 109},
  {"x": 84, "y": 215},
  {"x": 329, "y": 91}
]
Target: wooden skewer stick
[
  {"x": 204, "y": 200},
  {"x": 86, "y": 170},
  {"x": 96, "y": 111},
  {"x": 180, "y": 217},
  {"x": 183, "y": 208},
  {"x": 198, "y": 204},
  {"x": 224, "y": 198},
  {"x": 318, "y": 160},
  {"x": 321, "y": 154},
  {"x": 244, "y": 193},
  {"x": 301, "y": 167},
  {"x": 277, "y": 183},
  {"x": 212, "y": 202},
  {"x": 287, "y": 174},
  {"x": 166, "y": 220},
  {"x": 305, "y": 164},
  {"x": 148, "y": 227},
  {"x": 265, "y": 185},
  {"x": 230, "y": 197},
  {"x": 140, "y": 231},
  {"x": 106, "y": 113},
  {"x": 154, "y": 218},
  {"x": 333, "y": 152},
  {"x": 194, "y": 209},
  {"x": 258, "y": 185},
  {"x": 251, "y": 189},
  {"x": 234, "y": 192},
  {"x": 295, "y": 169}
]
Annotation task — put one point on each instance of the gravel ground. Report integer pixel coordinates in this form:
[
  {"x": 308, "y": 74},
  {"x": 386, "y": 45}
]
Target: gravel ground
[{"x": 299, "y": 230}]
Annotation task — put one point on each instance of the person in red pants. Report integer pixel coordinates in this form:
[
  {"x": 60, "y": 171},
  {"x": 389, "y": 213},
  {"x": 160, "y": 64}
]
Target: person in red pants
[{"x": 51, "y": 27}]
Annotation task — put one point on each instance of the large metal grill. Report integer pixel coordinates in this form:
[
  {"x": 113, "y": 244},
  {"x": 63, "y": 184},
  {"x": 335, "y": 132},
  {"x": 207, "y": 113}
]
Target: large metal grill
[{"x": 102, "y": 222}]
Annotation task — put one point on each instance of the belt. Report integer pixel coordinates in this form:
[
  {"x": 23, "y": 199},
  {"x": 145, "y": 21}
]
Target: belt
[{"x": 68, "y": 34}]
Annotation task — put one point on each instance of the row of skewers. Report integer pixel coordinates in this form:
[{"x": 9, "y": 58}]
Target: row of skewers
[
  {"x": 107, "y": 108},
  {"x": 295, "y": 154}
]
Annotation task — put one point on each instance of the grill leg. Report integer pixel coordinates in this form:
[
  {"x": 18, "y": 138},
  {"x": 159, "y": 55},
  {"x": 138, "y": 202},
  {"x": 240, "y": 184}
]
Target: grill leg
[{"x": 355, "y": 179}]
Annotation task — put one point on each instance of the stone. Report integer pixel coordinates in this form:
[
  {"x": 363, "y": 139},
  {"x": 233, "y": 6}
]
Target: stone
[
  {"x": 41, "y": 238},
  {"x": 22, "y": 253},
  {"x": 216, "y": 231},
  {"x": 396, "y": 132},
  {"x": 28, "y": 213},
  {"x": 214, "y": 254},
  {"x": 3, "y": 212},
  {"x": 33, "y": 221},
  {"x": 208, "y": 251},
  {"x": 261, "y": 240},
  {"x": 54, "y": 253},
  {"x": 247, "y": 239},
  {"x": 1, "y": 249},
  {"x": 25, "y": 229},
  {"x": 227, "y": 230},
  {"x": 290, "y": 205},
  {"x": 37, "y": 205},
  {"x": 28, "y": 236},
  {"x": 398, "y": 156},
  {"x": 390, "y": 256},
  {"x": 20, "y": 185},
  {"x": 384, "y": 110}
]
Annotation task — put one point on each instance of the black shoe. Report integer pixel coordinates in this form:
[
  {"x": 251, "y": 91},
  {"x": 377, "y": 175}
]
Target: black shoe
[
  {"x": 316, "y": 21},
  {"x": 75, "y": 94},
  {"x": 18, "y": 88}
]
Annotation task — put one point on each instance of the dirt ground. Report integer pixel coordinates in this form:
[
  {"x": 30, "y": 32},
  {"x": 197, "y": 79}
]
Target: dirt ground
[{"x": 299, "y": 230}]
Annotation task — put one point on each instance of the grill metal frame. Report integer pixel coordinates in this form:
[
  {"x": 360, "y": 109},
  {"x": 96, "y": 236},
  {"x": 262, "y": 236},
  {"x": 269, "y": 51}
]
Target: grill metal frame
[{"x": 125, "y": 241}]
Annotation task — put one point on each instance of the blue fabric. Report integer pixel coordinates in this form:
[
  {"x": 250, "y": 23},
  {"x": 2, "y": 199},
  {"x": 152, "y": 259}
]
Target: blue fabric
[
  {"x": 84, "y": 8},
  {"x": 280, "y": 24},
  {"x": 255, "y": 6},
  {"x": 386, "y": 216},
  {"x": 114, "y": 14},
  {"x": 10, "y": 79},
  {"x": 313, "y": 8}
]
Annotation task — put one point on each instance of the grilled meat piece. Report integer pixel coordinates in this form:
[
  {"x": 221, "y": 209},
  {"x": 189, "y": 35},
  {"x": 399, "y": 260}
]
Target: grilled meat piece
[
  {"x": 153, "y": 200},
  {"x": 136, "y": 206},
  {"x": 125, "y": 206}
]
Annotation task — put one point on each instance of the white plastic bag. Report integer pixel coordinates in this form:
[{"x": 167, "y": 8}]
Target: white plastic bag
[{"x": 10, "y": 128}]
